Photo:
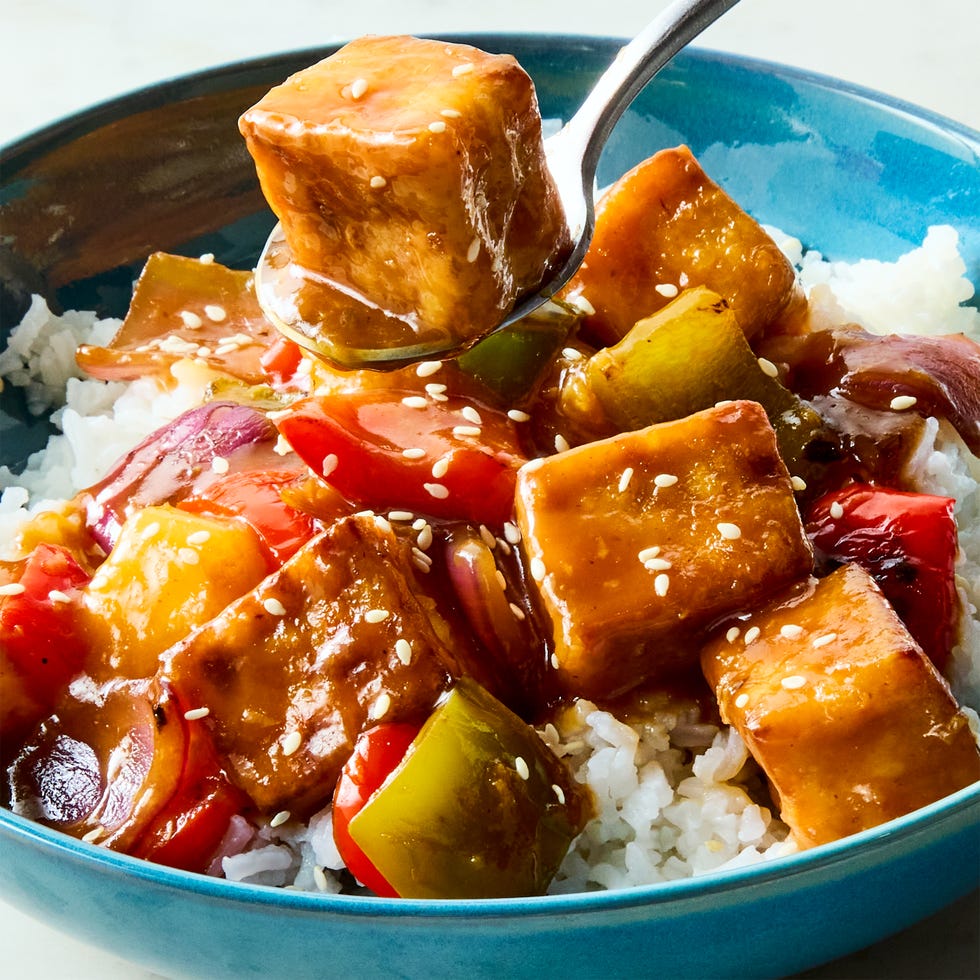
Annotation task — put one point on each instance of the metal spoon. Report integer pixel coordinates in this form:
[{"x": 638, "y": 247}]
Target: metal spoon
[{"x": 573, "y": 157}]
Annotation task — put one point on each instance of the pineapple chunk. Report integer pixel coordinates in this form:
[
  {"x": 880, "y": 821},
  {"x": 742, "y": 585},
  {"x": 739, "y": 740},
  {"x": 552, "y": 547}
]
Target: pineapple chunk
[
  {"x": 410, "y": 175},
  {"x": 847, "y": 716},
  {"x": 639, "y": 542},
  {"x": 666, "y": 225}
]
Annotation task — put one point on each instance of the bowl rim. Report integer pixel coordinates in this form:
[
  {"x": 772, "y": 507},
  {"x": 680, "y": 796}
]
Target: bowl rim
[{"x": 13, "y": 826}]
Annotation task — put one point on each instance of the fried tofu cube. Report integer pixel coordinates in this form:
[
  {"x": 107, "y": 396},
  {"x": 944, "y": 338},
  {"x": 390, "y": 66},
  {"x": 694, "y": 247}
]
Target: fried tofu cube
[
  {"x": 411, "y": 174},
  {"x": 639, "y": 542},
  {"x": 339, "y": 639},
  {"x": 837, "y": 703},
  {"x": 666, "y": 225}
]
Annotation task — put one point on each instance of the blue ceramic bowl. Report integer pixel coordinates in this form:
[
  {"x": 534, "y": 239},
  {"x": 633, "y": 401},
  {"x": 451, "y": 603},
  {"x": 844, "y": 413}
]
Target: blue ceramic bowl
[{"x": 852, "y": 173}]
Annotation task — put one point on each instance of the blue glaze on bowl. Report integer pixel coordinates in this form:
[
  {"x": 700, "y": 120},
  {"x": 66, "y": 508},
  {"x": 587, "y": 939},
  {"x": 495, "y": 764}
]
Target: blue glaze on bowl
[{"x": 854, "y": 174}]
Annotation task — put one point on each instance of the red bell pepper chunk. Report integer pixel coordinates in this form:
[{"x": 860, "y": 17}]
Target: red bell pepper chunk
[
  {"x": 381, "y": 451},
  {"x": 376, "y": 754},
  {"x": 281, "y": 359},
  {"x": 908, "y": 543},
  {"x": 38, "y": 631}
]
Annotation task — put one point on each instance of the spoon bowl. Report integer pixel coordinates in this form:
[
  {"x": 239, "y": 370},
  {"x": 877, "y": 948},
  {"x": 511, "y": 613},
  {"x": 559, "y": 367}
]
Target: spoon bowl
[{"x": 288, "y": 292}]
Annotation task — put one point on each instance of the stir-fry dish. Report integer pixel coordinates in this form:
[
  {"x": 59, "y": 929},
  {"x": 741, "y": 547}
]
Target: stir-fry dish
[{"x": 380, "y": 616}]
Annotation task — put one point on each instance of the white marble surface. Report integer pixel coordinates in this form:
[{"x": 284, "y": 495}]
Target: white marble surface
[{"x": 56, "y": 57}]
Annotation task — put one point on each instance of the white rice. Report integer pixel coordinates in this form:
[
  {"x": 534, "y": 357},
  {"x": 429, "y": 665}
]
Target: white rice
[{"x": 673, "y": 795}]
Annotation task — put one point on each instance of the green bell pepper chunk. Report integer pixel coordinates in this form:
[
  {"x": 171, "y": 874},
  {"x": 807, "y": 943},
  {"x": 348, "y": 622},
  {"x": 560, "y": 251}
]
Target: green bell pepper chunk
[{"x": 480, "y": 807}]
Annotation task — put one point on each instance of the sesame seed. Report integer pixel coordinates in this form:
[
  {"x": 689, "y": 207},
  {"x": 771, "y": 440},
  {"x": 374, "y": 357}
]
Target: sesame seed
[
  {"x": 382, "y": 523},
  {"x": 12, "y": 588},
  {"x": 661, "y": 584},
  {"x": 358, "y": 87},
  {"x": 793, "y": 682},
  {"x": 280, "y": 818},
  {"x": 419, "y": 523},
  {"x": 215, "y": 313},
  {"x": 424, "y": 540},
  {"x": 768, "y": 368},
  {"x": 415, "y": 401},
  {"x": 836, "y": 510},
  {"x": 188, "y": 556},
  {"x": 203, "y": 351},
  {"x": 207, "y": 258},
  {"x": 682, "y": 279},
  {"x": 572, "y": 354},
  {"x": 94, "y": 834},
  {"x": 647, "y": 553},
  {"x": 219, "y": 464},
  {"x": 400, "y": 515},
  {"x": 538, "y": 571},
  {"x": 517, "y": 611},
  {"x": 561, "y": 444},
  {"x": 320, "y": 878},
  {"x": 380, "y": 707},
  {"x": 282, "y": 447},
  {"x": 471, "y": 415},
  {"x": 191, "y": 320},
  {"x": 413, "y": 453},
  {"x": 403, "y": 651},
  {"x": 466, "y": 430},
  {"x": 512, "y": 533},
  {"x": 273, "y": 606},
  {"x": 291, "y": 743},
  {"x": 657, "y": 564},
  {"x": 501, "y": 581},
  {"x": 473, "y": 252},
  {"x": 733, "y": 634},
  {"x": 521, "y": 766},
  {"x": 901, "y": 402},
  {"x": 730, "y": 532},
  {"x": 226, "y": 347},
  {"x": 488, "y": 539},
  {"x": 741, "y": 701},
  {"x": 463, "y": 69},
  {"x": 584, "y": 305},
  {"x": 437, "y": 490},
  {"x": 376, "y": 615},
  {"x": 791, "y": 631},
  {"x": 440, "y": 467},
  {"x": 433, "y": 389},
  {"x": 664, "y": 480},
  {"x": 504, "y": 546},
  {"x": 421, "y": 559},
  {"x": 516, "y": 415},
  {"x": 427, "y": 368},
  {"x": 199, "y": 538},
  {"x": 667, "y": 289},
  {"x": 752, "y": 634},
  {"x": 822, "y": 641},
  {"x": 151, "y": 530},
  {"x": 56, "y": 595},
  {"x": 559, "y": 793},
  {"x": 437, "y": 126},
  {"x": 724, "y": 402},
  {"x": 624, "y": 478},
  {"x": 377, "y": 182},
  {"x": 329, "y": 464},
  {"x": 195, "y": 714},
  {"x": 797, "y": 483},
  {"x": 450, "y": 113},
  {"x": 554, "y": 660}
]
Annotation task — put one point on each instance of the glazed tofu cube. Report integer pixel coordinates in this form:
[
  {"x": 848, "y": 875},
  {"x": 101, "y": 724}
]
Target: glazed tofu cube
[
  {"x": 638, "y": 542},
  {"x": 847, "y": 716},
  {"x": 411, "y": 174},
  {"x": 665, "y": 225},
  {"x": 339, "y": 639}
]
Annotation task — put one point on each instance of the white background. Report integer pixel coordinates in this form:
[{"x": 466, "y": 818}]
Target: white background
[{"x": 56, "y": 57}]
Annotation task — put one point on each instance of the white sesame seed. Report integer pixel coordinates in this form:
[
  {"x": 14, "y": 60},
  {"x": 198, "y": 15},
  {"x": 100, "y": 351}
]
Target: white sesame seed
[
  {"x": 836, "y": 510},
  {"x": 280, "y": 818},
  {"x": 424, "y": 540},
  {"x": 658, "y": 564},
  {"x": 538, "y": 571},
  {"x": 667, "y": 289},
  {"x": 56, "y": 595},
  {"x": 466, "y": 430},
  {"x": 661, "y": 584},
  {"x": 473, "y": 252},
  {"x": 440, "y": 467},
  {"x": 554, "y": 660},
  {"x": 215, "y": 313},
  {"x": 400, "y": 515},
  {"x": 206, "y": 258},
  {"x": 151, "y": 530},
  {"x": 741, "y": 701},
  {"x": 521, "y": 766},
  {"x": 415, "y": 401},
  {"x": 437, "y": 126},
  {"x": 403, "y": 650},
  {"x": 376, "y": 615},
  {"x": 501, "y": 581},
  {"x": 426, "y": 369},
  {"x": 12, "y": 588},
  {"x": 901, "y": 402},
  {"x": 450, "y": 113},
  {"x": 291, "y": 743},
  {"x": 195, "y": 714},
  {"x": 437, "y": 490},
  {"x": 380, "y": 707},
  {"x": 94, "y": 834},
  {"x": 517, "y": 611},
  {"x": 488, "y": 539},
  {"x": 413, "y": 453},
  {"x": 226, "y": 347},
  {"x": 724, "y": 402},
  {"x": 683, "y": 280},
  {"x": 516, "y": 415},
  {"x": 559, "y": 793},
  {"x": 584, "y": 305},
  {"x": 797, "y": 483},
  {"x": 358, "y": 88},
  {"x": 646, "y": 554},
  {"x": 512, "y": 533},
  {"x": 822, "y": 641},
  {"x": 664, "y": 480},
  {"x": 463, "y": 69},
  {"x": 364, "y": 513},
  {"x": 191, "y": 320},
  {"x": 572, "y": 354},
  {"x": 329, "y": 464},
  {"x": 434, "y": 390},
  {"x": 273, "y": 606},
  {"x": 203, "y": 352},
  {"x": 624, "y": 478},
  {"x": 199, "y": 538},
  {"x": 768, "y": 368},
  {"x": 219, "y": 464},
  {"x": 505, "y": 548},
  {"x": 188, "y": 556},
  {"x": 471, "y": 415},
  {"x": 730, "y": 532},
  {"x": 733, "y": 634},
  {"x": 791, "y": 631},
  {"x": 561, "y": 444},
  {"x": 752, "y": 634},
  {"x": 419, "y": 523},
  {"x": 377, "y": 182},
  {"x": 320, "y": 878},
  {"x": 793, "y": 682},
  {"x": 382, "y": 523}
]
